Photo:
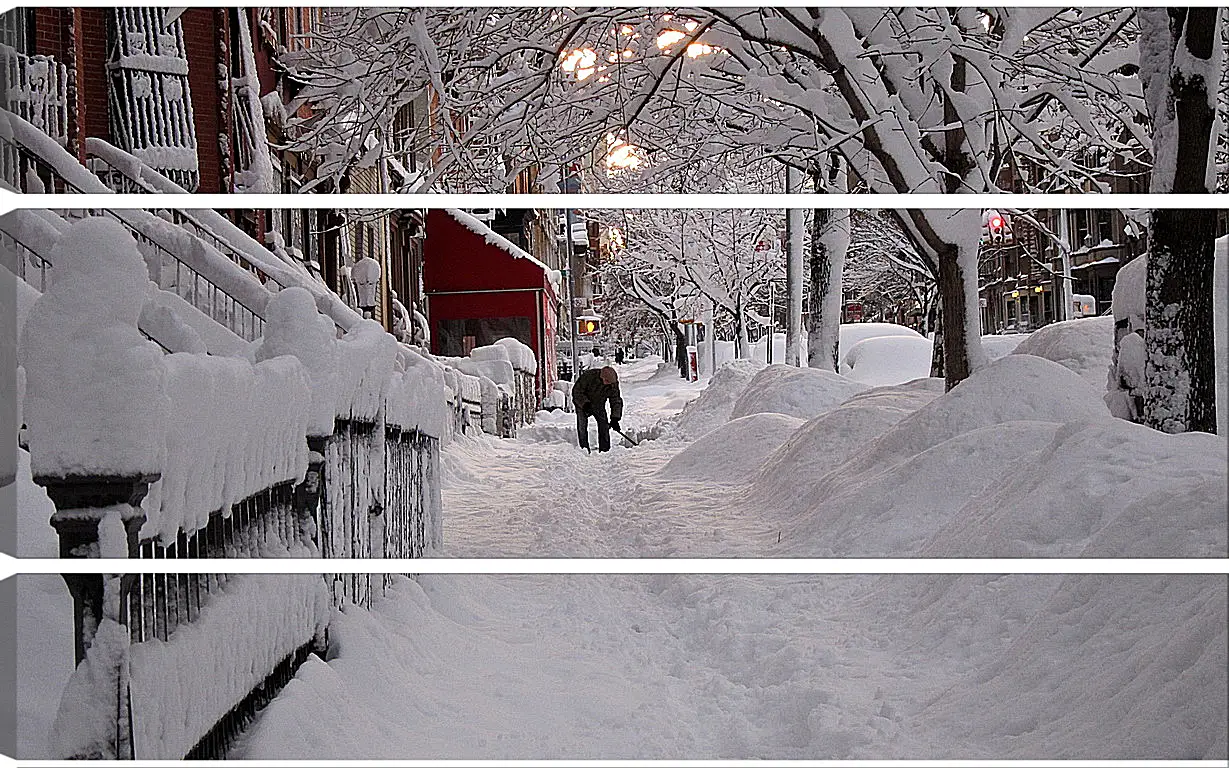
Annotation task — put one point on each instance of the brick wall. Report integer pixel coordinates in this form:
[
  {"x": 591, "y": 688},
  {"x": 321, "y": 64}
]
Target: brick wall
[
  {"x": 92, "y": 73},
  {"x": 201, "y": 32}
]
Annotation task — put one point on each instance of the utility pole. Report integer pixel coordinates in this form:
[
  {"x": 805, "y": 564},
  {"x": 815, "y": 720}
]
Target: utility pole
[{"x": 571, "y": 271}]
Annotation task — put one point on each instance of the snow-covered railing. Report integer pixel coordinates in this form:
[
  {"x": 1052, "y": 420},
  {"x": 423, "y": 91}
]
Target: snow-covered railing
[
  {"x": 464, "y": 400},
  {"x": 36, "y": 89},
  {"x": 312, "y": 446},
  {"x": 506, "y": 372}
]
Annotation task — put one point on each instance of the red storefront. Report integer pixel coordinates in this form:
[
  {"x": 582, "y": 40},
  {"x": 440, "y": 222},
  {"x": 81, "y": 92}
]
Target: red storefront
[{"x": 479, "y": 287}]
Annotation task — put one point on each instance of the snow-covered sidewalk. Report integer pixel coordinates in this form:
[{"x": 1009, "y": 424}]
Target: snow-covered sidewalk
[
  {"x": 769, "y": 667},
  {"x": 540, "y": 495},
  {"x": 1023, "y": 459}
]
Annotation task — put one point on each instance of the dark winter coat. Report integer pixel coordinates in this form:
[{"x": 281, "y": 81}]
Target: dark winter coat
[{"x": 589, "y": 392}]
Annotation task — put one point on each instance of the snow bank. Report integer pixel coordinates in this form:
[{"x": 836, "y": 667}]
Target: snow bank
[
  {"x": 716, "y": 401},
  {"x": 1085, "y": 345},
  {"x": 732, "y": 451},
  {"x": 1022, "y": 459},
  {"x": 95, "y": 395},
  {"x": 997, "y": 345},
  {"x": 799, "y": 392},
  {"x": 1104, "y": 489},
  {"x": 883, "y": 360},
  {"x": 1012, "y": 388},
  {"x": 1107, "y": 668},
  {"x": 182, "y": 686},
  {"x": 828, "y": 440}
]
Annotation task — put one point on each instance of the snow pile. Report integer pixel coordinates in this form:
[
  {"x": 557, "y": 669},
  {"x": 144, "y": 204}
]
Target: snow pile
[
  {"x": 883, "y": 360},
  {"x": 828, "y": 440},
  {"x": 1085, "y": 345},
  {"x": 715, "y": 403},
  {"x": 799, "y": 392},
  {"x": 519, "y": 354},
  {"x": 1104, "y": 489},
  {"x": 732, "y": 451},
  {"x": 1020, "y": 460},
  {"x": 96, "y": 398},
  {"x": 182, "y": 686},
  {"x": 997, "y": 345},
  {"x": 1012, "y": 388},
  {"x": 1111, "y": 667}
]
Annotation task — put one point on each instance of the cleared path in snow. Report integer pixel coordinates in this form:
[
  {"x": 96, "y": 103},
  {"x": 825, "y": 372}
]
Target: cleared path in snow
[
  {"x": 541, "y": 667},
  {"x": 539, "y": 495}
]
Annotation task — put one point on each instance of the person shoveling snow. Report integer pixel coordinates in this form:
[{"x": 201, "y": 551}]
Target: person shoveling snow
[{"x": 589, "y": 394}]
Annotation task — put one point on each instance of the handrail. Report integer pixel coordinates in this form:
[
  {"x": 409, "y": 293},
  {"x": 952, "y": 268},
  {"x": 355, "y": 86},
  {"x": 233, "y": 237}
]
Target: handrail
[{"x": 181, "y": 217}]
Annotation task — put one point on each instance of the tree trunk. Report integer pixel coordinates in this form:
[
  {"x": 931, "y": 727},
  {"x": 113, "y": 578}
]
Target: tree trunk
[
  {"x": 956, "y": 332},
  {"x": 829, "y": 244},
  {"x": 1180, "y": 366},
  {"x": 794, "y": 236}
]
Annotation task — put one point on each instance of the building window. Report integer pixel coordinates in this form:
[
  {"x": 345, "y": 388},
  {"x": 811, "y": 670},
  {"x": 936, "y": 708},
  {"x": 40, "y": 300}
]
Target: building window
[{"x": 16, "y": 32}]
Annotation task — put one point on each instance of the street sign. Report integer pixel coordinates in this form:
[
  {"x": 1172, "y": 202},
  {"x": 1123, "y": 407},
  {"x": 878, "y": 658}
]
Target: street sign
[{"x": 580, "y": 302}]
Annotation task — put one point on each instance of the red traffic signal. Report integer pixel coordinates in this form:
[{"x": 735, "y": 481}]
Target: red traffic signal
[{"x": 996, "y": 222}]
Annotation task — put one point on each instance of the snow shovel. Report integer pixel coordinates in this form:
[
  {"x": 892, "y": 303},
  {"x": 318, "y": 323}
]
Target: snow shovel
[{"x": 625, "y": 437}]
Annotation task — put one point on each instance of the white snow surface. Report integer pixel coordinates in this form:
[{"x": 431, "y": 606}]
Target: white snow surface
[
  {"x": 519, "y": 354},
  {"x": 716, "y": 402},
  {"x": 1021, "y": 459},
  {"x": 1084, "y": 345},
  {"x": 183, "y": 685},
  {"x": 774, "y": 667},
  {"x": 731, "y": 451},
  {"x": 882, "y": 360},
  {"x": 852, "y": 333},
  {"x": 95, "y": 387},
  {"x": 798, "y": 392}
]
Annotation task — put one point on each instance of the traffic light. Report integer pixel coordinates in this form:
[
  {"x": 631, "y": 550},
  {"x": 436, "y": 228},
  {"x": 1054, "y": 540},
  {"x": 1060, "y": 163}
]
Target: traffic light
[
  {"x": 587, "y": 326},
  {"x": 995, "y": 229}
]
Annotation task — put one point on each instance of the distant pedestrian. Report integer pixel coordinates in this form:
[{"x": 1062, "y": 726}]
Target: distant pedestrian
[
  {"x": 619, "y": 356},
  {"x": 592, "y": 390}
]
